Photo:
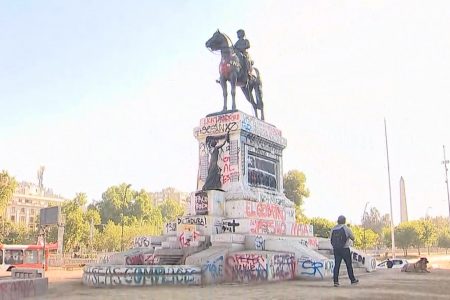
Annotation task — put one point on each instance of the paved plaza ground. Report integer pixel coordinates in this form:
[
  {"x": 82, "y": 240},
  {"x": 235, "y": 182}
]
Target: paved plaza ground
[{"x": 383, "y": 284}]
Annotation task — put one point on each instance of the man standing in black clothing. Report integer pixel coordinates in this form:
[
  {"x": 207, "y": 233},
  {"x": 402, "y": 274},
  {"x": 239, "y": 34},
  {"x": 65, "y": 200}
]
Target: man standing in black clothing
[{"x": 340, "y": 240}]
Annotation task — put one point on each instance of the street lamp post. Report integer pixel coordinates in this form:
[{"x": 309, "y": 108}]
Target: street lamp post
[
  {"x": 445, "y": 162},
  {"x": 364, "y": 225},
  {"x": 390, "y": 192},
  {"x": 123, "y": 214}
]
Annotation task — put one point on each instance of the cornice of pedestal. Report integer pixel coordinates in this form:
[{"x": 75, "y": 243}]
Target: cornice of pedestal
[{"x": 234, "y": 121}]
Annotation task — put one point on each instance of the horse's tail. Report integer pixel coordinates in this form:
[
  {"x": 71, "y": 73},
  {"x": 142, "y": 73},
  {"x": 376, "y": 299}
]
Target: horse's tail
[
  {"x": 258, "y": 90},
  {"x": 258, "y": 76}
]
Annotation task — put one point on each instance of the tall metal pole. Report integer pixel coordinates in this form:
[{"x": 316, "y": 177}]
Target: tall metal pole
[
  {"x": 445, "y": 162},
  {"x": 390, "y": 192},
  {"x": 364, "y": 227},
  {"x": 123, "y": 214}
]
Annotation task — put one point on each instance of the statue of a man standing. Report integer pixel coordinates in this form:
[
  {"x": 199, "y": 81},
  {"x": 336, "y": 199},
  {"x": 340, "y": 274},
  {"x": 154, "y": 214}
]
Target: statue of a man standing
[{"x": 242, "y": 45}]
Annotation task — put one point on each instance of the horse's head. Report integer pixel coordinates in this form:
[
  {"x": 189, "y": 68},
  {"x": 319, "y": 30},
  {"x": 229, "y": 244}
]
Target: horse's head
[{"x": 218, "y": 41}]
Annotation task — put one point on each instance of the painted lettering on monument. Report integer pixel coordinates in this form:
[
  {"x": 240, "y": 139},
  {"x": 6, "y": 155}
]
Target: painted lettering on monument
[
  {"x": 246, "y": 267},
  {"x": 258, "y": 226},
  {"x": 136, "y": 276},
  {"x": 263, "y": 210},
  {"x": 283, "y": 266},
  {"x": 201, "y": 203}
]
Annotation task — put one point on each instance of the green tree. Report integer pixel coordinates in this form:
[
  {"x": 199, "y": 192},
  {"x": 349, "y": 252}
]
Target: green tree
[
  {"x": 444, "y": 240},
  {"x": 427, "y": 233},
  {"x": 7, "y": 187},
  {"x": 441, "y": 224},
  {"x": 114, "y": 200},
  {"x": 92, "y": 218},
  {"x": 75, "y": 227},
  {"x": 17, "y": 234},
  {"x": 144, "y": 211},
  {"x": 295, "y": 187},
  {"x": 322, "y": 227},
  {"x": 110, "y": 238},
  {"x": 406, "y": 235},
  {"x": 386, "y": 236},
  {"x": 364, "y": 238},
  {"x": 170, "y": 210}
]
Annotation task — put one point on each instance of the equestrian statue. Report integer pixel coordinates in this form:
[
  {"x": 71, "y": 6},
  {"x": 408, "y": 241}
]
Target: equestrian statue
[{"x": 237, "y": 68}]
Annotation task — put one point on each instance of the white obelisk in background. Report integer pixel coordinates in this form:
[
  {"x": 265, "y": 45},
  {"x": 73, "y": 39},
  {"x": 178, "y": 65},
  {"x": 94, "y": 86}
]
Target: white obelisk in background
[{"x": 403, "y": 207}]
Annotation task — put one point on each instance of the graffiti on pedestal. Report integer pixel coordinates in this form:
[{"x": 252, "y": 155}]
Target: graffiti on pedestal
[
  {"x": 263, "y": 210},
  {"x": 201, "y": 203},
  {"x": 246, "y": 267},
  {"x": 109, "y": 276},
  {"x": 283, "y": 266},
  {"x": 187, "y": 235},
  {"x": 218, "y": 154},
  {"x": 261, "y": 172}
]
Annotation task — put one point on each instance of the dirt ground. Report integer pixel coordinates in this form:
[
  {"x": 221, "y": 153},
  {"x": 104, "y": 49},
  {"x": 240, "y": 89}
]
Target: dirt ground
[{"x": 382, "y": 284}]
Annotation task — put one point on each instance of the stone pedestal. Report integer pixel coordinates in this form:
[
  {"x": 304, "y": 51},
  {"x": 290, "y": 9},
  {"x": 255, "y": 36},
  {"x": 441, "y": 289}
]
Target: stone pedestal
[{"x": 246, "y": 153}]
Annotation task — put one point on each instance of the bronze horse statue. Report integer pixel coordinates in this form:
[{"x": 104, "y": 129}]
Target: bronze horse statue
[{"x": 231, "y": 69}]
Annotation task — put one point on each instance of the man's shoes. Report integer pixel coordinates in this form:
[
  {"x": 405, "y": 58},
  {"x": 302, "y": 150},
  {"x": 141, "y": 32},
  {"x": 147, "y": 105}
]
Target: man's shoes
[
  {"x": 336, "y": 284},
  {"x": 355, "y": 281}
]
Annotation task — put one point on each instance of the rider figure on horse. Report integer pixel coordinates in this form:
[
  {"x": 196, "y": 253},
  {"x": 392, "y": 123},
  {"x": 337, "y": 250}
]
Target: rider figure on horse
[{"x": 242, "y": 45}]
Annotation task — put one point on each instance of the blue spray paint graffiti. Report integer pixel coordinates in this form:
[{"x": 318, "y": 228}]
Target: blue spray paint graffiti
[
  {"x": 214, "y": 268},
  {"x": 313, "y": 268}
]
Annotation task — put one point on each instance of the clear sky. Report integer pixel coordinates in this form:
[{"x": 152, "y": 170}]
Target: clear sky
[{"x": 105, "y": 92}]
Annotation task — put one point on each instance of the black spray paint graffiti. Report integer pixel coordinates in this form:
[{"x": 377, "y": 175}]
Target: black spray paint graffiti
[
  {"x": 260, "y": 243},
  {"x": 201, "y": 203},
  {"x": 229, "y": 226},
  {"x": 358, "y": 258},
  {"x": 259, "y": 178},
  {"x": 219, "y": 128},
  {"x": 171, "y": 227},
  {"x": 283, "y": 266},
  {"x": 192, "y": 220}
]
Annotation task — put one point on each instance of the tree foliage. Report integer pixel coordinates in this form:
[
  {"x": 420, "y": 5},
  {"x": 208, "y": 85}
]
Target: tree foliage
[
  {"x": 444, "y": 240},
  {"x": 364, "y": 238},
  {"x": 76, "y": 225},
  {"x": 406, "y": 235},
  {"x": 427, "y": 233},
  {"x": 295, "y": 186},
  {"x": 322, "y": 227},
  {"x": 170, "y": 210},
  {"x": 17, "y": 234},
  {"x": 115, "y": 200},
  {"x": 7, "y": 187},
  {"x": 373, "y": 220}
]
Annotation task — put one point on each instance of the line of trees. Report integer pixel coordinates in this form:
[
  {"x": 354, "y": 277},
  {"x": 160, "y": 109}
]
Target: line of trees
[
  {"x": 375, "y": 233},
  {"x": 97, "y": 226}
]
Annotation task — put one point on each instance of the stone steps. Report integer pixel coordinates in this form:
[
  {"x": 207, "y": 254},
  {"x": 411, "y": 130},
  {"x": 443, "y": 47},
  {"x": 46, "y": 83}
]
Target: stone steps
[{"x": 169, "y": 256}]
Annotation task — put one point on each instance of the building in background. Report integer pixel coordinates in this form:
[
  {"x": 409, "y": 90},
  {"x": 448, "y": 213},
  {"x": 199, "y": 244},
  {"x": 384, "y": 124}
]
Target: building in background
[
  {"x": 182, "y": 198},
  {"x": 27, "y": 201},
  {"x": 403, "y": 206}
]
